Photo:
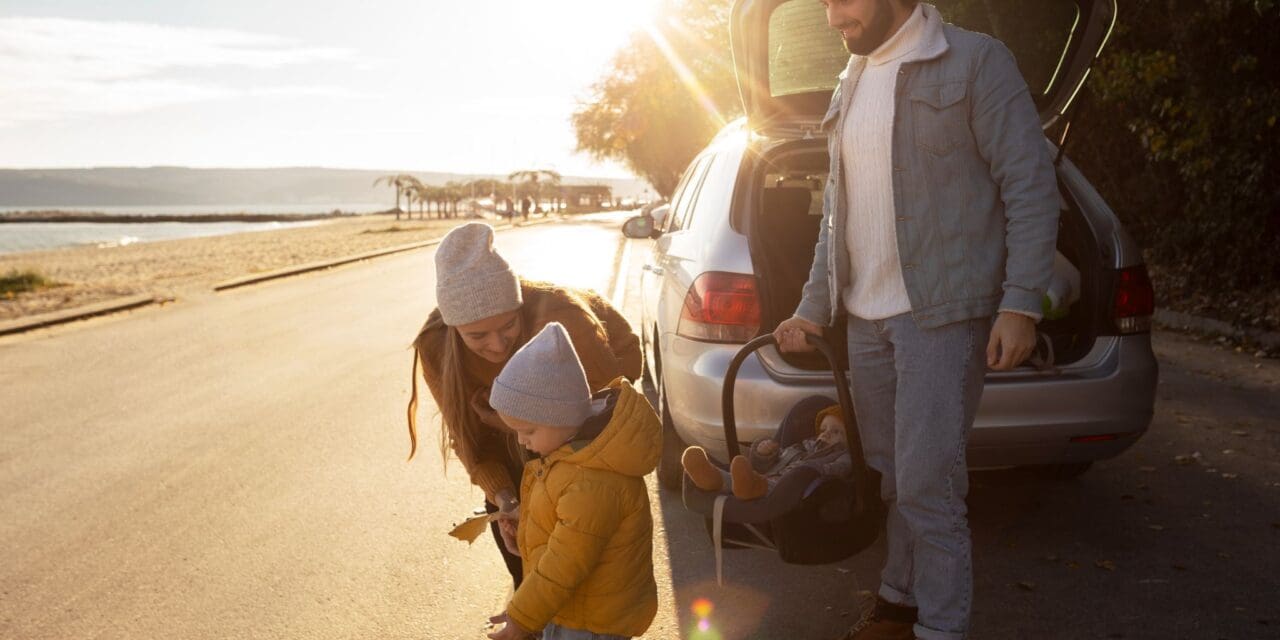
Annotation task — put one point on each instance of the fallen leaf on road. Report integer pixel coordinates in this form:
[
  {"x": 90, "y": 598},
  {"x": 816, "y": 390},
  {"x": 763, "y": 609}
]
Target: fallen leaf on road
[
  {"x": 1229, "y": 476},
  {"x": 1027, "y": 586},
  {"x": 1227, "y": 452},
  {"x": 842, "y": 570},
  {"x": 1187, "y": 459},
  {"x": 1105, "y": 564},
  {"x": 1179, "y": 567},
  {"x": 1073, "y": 565}
]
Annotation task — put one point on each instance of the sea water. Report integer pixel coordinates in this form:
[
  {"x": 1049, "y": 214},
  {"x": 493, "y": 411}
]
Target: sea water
[{"x": 16, "y": 237}]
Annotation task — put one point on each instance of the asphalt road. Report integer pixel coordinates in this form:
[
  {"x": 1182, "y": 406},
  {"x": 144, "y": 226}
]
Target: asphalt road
[{"x": 234, "y": 466}]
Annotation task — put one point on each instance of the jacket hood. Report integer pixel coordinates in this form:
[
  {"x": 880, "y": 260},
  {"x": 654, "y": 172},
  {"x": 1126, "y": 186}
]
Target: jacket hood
[{"x": 630, "y": 444}]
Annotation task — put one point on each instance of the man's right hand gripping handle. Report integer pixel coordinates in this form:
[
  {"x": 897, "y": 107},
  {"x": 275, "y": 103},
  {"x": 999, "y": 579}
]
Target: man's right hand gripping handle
[{"x": 790, "y": 335}]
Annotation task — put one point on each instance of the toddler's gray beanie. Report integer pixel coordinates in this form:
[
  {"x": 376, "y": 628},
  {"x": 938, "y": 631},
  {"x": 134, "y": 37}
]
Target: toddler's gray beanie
[
  {"x": 544, "y": 382},
  {"x": 473, "y": 282}
]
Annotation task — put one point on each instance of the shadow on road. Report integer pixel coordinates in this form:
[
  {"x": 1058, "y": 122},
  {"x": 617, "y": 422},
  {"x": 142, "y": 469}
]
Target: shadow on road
[{"x": 1148, "y": 545}]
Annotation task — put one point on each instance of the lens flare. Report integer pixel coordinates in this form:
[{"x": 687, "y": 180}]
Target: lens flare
[{"x": 702, "y": 608}]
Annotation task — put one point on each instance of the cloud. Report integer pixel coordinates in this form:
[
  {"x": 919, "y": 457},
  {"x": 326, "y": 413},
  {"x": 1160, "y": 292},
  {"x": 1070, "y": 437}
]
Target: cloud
[{"x": 54, "y": 68}]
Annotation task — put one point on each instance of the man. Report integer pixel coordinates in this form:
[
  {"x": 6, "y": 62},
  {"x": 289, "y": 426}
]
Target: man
[{"x": 940, "y": 213}]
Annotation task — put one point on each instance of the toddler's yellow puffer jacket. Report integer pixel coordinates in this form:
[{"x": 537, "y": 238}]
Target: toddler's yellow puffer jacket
[{"x": 585, "y": 531}]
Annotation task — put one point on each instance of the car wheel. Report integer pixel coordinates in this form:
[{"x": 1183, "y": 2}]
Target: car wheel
[{"x": 670, "y": 472}]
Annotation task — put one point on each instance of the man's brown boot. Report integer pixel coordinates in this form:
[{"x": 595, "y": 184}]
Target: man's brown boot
[{"x": 885, "y": 621}]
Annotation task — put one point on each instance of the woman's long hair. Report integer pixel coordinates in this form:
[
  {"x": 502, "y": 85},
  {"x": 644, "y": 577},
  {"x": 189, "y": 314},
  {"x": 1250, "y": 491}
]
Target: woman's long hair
[
  {"x": 460, "y": 427},
  {"x": 458, "y": 424}
]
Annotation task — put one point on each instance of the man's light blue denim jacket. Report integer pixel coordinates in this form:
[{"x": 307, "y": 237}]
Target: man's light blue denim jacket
[{"x": 975, "y": 194}]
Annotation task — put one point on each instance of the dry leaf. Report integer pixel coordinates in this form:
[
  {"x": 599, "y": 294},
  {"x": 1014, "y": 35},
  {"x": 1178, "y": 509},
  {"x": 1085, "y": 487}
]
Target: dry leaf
[
  {"x": 1027, "y": 586},
  {"x": 471, "y": 528},
  {"x": 1230, "y": 475},
  {"x": 1179, "y": 567},
  {"x": 1105, "y": 564}
]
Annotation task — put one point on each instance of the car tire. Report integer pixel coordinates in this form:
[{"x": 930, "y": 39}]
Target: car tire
[{"x": 670, "y": 472}]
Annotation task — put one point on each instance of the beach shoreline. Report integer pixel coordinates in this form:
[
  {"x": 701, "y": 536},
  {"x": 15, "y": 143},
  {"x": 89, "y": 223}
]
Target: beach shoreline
[
  {"x": 187, "y": 267},
  {"x": 60, "y": 216}
]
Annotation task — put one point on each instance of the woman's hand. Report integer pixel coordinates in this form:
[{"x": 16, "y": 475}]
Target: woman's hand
[
  {"x": 480, "y": 404},
  {"x": 511, "y": 631},
  {"x": 508, "y": 517},
  {"x": 508, "y": 530}
]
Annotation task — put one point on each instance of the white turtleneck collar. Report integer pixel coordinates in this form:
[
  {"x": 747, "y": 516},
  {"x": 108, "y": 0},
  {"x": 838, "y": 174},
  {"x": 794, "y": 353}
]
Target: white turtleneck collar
[{"x": 906, "y": 40}]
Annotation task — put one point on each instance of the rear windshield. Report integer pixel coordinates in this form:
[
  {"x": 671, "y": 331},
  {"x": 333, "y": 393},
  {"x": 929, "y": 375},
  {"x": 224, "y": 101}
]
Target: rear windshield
[{"x": 806, "y": 55}]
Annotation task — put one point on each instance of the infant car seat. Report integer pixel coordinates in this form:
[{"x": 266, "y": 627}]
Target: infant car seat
[{"x": 806, "y": 519}]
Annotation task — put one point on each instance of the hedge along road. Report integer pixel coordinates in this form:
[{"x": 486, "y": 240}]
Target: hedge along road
[{"x": 234, "y": 467}]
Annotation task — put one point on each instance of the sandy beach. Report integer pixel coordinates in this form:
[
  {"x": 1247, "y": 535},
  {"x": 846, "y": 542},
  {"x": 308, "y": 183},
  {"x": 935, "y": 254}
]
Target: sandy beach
[{"x": 192, "y": 266}]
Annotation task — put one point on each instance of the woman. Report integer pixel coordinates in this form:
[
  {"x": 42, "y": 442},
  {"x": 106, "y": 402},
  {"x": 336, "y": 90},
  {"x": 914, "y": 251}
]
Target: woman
[{"x": 484, "y": 313}]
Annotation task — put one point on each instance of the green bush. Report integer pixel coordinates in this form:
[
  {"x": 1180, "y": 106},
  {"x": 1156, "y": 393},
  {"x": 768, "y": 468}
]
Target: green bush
[
  {"x": 16, "y": 282},
  {"x": 1178, "y": 131}
]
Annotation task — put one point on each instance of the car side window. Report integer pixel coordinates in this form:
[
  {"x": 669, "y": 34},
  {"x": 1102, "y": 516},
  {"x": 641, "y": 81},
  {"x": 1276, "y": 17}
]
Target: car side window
[
  {"x": 683, "y": 202},
  {"x": 691, "y": 208},
  {"x": 680, "y": 192}
]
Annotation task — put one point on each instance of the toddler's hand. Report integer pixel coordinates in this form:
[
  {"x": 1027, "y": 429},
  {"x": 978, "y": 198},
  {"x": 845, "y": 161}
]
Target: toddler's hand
[{"x": 511, "y": 631}]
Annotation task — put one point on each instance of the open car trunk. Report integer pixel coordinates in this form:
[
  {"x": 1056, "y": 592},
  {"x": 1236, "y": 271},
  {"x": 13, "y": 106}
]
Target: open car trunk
[
  {"x": 787, "y": 58},
  {"x": 784, "y": 210}
]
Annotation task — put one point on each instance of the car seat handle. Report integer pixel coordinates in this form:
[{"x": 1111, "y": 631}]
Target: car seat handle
[{"x": 852, "y": 439}]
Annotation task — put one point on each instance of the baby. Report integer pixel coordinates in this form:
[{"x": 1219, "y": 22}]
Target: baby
[{"x": 826, "y": 452}]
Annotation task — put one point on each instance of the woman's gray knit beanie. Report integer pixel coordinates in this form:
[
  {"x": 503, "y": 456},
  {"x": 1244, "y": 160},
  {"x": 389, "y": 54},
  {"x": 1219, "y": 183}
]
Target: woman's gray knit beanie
[
  {"x": 473, "y": 282},
  {"x": 544, "y": 382}
]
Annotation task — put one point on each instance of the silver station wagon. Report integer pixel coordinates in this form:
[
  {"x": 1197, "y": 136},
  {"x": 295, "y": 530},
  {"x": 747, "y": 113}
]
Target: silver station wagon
[{"x": 730, "y": 259}]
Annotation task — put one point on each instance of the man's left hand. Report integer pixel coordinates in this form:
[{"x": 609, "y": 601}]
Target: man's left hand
[{"x": 1013, "y": 337}]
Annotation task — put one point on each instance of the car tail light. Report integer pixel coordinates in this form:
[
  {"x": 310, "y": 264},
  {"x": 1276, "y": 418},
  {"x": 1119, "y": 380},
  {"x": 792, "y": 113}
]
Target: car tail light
[
  {"x": 1134, "y": 300},
  {"x": 720, "y": 307}
]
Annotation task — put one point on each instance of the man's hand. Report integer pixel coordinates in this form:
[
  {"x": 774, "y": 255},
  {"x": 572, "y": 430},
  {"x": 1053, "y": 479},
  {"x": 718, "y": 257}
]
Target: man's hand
[
  {"x": 1013, "y": 337},
  {"x": 790, "y": 335},
  {"x": 511, "y": 631}
]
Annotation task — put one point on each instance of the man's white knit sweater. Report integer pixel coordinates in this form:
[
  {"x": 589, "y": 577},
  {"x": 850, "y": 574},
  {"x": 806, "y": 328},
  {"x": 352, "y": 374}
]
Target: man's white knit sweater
[{"x": 877, "y": 290}]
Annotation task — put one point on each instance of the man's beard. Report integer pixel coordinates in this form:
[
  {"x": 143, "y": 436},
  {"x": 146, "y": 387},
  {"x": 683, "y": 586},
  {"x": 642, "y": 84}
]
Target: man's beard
[{"x": 874, "y": 33}]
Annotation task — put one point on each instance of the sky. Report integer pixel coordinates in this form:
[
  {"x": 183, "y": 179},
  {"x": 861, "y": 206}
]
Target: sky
[{"x": 469, "y": 86}]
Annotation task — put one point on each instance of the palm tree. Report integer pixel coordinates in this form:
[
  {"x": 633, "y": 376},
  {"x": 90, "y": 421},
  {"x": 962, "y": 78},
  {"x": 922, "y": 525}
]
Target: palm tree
[
  {"x": 535, "y": 179},
  {"x": 402, "y": 182}
]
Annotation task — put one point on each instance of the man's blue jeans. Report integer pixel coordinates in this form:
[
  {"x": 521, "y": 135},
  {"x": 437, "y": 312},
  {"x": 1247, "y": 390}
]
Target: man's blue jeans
[{"x": 915, "y": 392}]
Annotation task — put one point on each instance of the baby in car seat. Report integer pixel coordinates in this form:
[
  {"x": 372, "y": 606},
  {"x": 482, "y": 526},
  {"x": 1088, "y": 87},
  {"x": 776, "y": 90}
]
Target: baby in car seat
[{"x": 748, "y": 478}]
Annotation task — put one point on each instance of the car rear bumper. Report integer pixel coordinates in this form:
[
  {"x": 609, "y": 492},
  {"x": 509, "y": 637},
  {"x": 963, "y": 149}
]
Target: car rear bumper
[{"x": 1026, "y": 417}]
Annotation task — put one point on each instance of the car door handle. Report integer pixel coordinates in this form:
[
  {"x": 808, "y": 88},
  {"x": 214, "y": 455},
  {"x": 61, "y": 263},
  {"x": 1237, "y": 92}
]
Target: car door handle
[{"x": 657, "y": 271}]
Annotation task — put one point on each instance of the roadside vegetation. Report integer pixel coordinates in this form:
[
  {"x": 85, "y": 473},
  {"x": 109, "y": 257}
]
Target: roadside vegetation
[
  {"x": 15, "y": 282},
  {"x": 1176, "y": 128}
]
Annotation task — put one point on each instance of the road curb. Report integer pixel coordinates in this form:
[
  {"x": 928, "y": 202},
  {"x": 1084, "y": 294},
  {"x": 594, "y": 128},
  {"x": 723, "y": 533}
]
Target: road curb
[
  {"x": 256, "y": 278},
  {"x": 1178, "y": 320},
  {"x": 299, "y": 269},
  {"x": 40, "y": 321}
]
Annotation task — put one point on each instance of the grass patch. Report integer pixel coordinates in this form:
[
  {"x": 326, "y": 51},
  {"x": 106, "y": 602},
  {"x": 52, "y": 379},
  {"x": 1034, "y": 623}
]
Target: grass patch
[{"x": 15, "y": 282}]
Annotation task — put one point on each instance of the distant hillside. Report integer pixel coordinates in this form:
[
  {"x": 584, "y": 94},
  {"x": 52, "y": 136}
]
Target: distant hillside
[{"x": 158, "y": 186}]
